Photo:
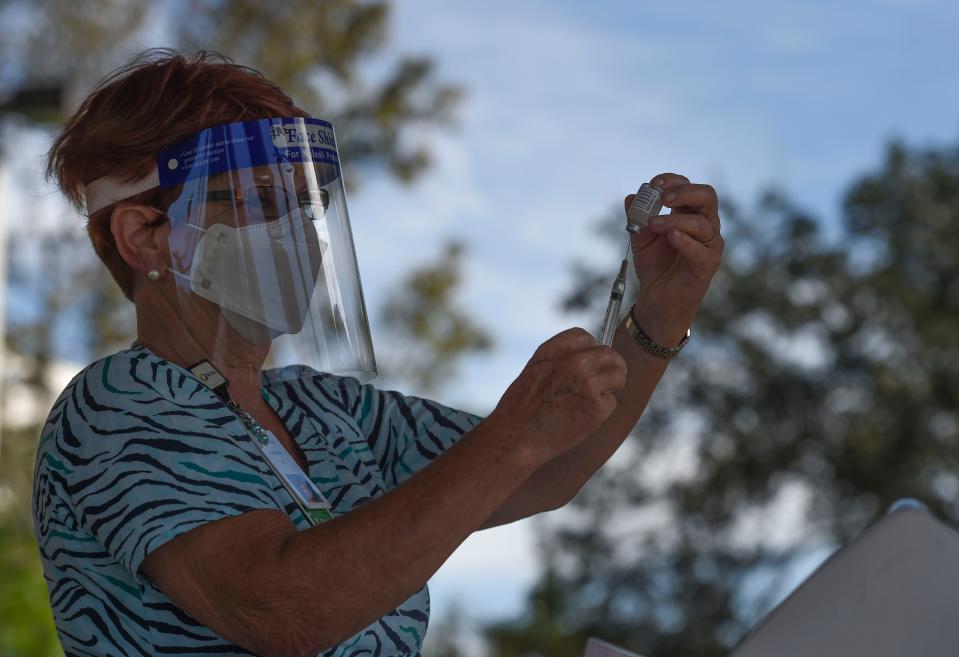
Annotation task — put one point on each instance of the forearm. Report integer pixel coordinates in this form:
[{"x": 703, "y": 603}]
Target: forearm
[
  {"x": 675, "y": 259},
  {"x": 553, "y": 484},
  {"x": 377, "y": 556}
]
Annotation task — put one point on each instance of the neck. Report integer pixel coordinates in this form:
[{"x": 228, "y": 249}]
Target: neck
[{"x": 186, "y": 338}]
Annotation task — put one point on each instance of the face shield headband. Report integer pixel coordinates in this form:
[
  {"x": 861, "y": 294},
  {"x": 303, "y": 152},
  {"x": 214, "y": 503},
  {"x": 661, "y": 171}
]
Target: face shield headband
[{"x": 260, "y": 244}]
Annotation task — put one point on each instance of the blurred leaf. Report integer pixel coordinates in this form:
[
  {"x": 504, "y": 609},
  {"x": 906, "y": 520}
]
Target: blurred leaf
[
  {"x": 26, "y": 629},
  {"x": 427, "y": 331},
  {"x": 820, "y": 386},
  {"x": 330, "y": 56}
]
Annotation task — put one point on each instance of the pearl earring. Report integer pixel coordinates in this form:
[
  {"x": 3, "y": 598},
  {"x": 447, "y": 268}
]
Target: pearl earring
[{"x": 153, "y": 275}]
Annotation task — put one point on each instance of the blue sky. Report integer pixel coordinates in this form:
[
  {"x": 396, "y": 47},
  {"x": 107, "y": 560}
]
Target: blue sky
[{"x": 571, "y": 105}]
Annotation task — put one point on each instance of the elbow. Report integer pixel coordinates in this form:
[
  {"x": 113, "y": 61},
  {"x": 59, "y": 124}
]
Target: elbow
[
  {"x": 552, "y": 504},
  {"x": 561, "y": 498},
  {"x": 280, "y": 624},
  {"x": 313, "y": 643},
  {"x": 289, "y": 638},
  {"x": 318, "y": 643},
  {"x": 289, "y": 629}
]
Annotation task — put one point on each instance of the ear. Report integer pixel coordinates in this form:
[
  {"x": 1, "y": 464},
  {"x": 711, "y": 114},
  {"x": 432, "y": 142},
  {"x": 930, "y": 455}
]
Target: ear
[{"x": 141, "y": 242}]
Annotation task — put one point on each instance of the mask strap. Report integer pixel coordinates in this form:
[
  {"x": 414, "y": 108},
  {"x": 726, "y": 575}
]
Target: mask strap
[{"x": 187, "y": 277}]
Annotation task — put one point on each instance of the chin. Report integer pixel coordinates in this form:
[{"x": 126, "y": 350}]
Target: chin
[{"x": 251, "y": 330}]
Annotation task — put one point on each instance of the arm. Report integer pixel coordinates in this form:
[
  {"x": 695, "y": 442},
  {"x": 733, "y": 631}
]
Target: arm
[
  {"x": 244, "y": 577},
  {"x": 556, "y": 483},
  {"x": 674, "y": 268},
  {"x": 259, "y": 583}
]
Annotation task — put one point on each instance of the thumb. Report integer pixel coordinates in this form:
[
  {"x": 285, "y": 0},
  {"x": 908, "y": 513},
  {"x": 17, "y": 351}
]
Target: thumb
[{"x": 569, "y": 340}]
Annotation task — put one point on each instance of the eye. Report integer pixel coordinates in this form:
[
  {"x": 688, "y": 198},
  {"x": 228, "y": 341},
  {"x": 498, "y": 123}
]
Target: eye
[{"x": 267, "y": 202}]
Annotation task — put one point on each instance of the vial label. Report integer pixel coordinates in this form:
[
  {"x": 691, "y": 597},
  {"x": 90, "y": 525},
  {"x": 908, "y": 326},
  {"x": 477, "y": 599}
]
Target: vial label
[
  {"x": 646, "y": 198},
  {"x": 647, "y": 203}
]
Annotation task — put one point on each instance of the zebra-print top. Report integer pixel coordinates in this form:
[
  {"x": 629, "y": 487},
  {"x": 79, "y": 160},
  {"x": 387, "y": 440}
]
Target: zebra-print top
[{"x": 136, "y": 451}]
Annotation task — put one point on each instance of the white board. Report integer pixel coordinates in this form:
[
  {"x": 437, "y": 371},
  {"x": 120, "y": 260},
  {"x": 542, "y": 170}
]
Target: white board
[
  {"x": 599, "y": 648},
  {"x": 893, "y": 592}
]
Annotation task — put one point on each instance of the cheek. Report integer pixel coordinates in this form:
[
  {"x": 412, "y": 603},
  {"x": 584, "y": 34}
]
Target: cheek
[{"x": 182, "y": 242}]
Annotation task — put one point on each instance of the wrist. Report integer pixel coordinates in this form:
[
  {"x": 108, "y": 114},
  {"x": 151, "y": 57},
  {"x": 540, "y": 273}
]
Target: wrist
[
  {"x": 505, "y": 445},
  {"x": 663, "y": 330}
]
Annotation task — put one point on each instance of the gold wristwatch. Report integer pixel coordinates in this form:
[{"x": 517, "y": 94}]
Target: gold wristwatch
[{"x": 647, "y": 343}]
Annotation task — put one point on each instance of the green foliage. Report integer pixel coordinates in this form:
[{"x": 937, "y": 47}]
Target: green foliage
[
  {"x": 545, "y": 630},
  {"x": 329, "y": 56},
  {"x": 319, "y": 52},
  {"x": 427, "y": 332},
  {"x": 820, "y": 386},
  {"x": 446, "y": 634},
  {"x": 27, "y": 626}
]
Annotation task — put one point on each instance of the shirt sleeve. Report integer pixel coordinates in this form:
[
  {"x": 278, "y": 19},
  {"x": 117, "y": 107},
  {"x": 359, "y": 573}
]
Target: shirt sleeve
[
  {"x": 149, "y": 454},
  {"x": 406, "y": 433}
]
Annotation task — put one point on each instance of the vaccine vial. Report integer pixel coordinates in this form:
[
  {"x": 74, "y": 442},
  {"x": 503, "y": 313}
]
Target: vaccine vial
[{"x": 646, "y": 204}]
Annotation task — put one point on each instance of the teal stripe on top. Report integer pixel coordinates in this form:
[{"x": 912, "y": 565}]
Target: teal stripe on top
[{"x": 126, "y": 465}]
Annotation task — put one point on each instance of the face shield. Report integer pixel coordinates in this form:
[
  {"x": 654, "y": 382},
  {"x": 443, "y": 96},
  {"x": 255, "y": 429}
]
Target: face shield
[{"x": 261, "y": 249}]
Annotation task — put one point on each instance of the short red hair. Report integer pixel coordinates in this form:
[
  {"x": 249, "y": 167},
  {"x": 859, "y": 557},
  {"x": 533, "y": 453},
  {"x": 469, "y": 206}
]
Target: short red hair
[{"x": 153, "y": 102}]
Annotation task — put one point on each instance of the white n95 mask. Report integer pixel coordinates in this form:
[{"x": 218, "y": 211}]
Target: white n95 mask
[{"x": 262, "y": 275}]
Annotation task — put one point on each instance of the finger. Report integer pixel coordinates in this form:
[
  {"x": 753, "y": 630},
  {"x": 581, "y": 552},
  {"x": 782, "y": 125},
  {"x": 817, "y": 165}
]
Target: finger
[
  {"x": 569, "y": 340},
  {"x": 597, "y": 360},
  {"x": 695, "y": 225},
  {"x": 601, "y": 368},
  {"x": 701, "y": 197},
  {"x": 666, "y": 181},
  {"x": 701, "y": 259},
  {"x": 610, "y": 381},
  {"x": 585, "y": 362},
  {"x": 611, "y": 376},
  {"x": 603, "y": 357}
]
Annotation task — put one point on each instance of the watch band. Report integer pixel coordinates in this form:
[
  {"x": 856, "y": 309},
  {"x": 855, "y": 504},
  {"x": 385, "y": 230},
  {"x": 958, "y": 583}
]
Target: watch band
[{"x": 647, "y": 343}]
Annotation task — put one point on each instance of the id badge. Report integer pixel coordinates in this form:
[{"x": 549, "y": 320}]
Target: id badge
[{"x": 304, "y": 491}]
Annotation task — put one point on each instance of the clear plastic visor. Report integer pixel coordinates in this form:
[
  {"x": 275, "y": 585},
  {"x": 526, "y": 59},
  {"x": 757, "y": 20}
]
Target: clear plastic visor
[{"x": 261, "y": 249}]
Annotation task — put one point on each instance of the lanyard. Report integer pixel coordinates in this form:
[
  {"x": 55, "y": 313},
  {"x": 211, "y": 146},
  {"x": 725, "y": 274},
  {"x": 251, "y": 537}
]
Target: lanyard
[{"x": 300, "y": 487}]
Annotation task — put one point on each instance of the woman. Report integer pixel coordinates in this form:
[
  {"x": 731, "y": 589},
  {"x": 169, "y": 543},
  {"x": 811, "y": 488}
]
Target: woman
[{"x": 221, "y": 487}]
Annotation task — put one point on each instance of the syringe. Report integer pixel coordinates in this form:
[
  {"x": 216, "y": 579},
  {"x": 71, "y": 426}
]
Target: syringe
[{"x": 615, "y": 303}]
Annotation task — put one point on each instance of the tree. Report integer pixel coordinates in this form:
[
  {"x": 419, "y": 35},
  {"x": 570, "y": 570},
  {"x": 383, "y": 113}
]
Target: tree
[
  {"x": 26, "y": 628},
  {"x": 329, "y": 56},
  {"x": 426, "y": 331},
  {"x": 446, "y": 634},
  {"x": 819, "y": 387}
]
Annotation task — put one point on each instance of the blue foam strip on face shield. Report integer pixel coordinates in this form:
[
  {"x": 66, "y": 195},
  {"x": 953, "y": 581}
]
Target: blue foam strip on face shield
[{"x": 245, "y": 144}]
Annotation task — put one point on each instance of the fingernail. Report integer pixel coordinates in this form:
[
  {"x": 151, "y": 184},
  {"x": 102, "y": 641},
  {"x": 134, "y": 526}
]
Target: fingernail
[
  {"x": 678, "y": 235},
  {"x": 671, "y": 196},
  {"x": 657, "y": 221}
]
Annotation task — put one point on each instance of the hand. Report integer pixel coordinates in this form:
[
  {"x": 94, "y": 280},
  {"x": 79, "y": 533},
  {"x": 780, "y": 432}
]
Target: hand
[
  {"x": 565, "y": 392},
  {"x": 673, "y": 265}
]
